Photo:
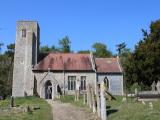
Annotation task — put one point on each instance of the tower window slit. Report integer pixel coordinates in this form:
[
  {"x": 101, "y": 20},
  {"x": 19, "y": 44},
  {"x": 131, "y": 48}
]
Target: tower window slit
[{"x": 23, "y": 33}]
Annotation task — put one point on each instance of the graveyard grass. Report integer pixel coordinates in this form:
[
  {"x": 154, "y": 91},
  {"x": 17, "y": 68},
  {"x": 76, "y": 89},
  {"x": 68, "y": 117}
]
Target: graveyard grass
[
  {"x": 44, "y": 113},
  {"x": 131, "y": 110},
  {"x": 118, "y": 110}
]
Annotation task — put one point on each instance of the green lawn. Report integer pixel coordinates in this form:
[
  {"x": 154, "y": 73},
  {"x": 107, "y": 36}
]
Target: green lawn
[
  {"x": 131, "y": 110},
  {"x": 44, "y": 113}
]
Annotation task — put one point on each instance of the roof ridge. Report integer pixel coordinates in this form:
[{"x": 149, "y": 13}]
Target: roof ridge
[
  {"x": 107, "y": 58},
  {"x": 71, "y": 53}
]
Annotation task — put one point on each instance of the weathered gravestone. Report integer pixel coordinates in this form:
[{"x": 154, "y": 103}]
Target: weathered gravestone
[
  {"x": 158, "y": 86},
  {"x": 153, "y": 86}
]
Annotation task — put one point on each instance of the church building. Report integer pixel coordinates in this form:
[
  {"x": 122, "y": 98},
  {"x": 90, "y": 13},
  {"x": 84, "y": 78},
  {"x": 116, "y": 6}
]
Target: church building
[{"x": 57, "y": 73}]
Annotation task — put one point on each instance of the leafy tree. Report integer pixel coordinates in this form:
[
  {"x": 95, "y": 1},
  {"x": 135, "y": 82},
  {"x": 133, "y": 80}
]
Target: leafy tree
[
  {"x": 143, "y": 65},
  {"x": 46, "y": 49},
  {"x": 6, "y": 65},
  {"x": 10, "y": 50},
  {"x": 100, "y": 50},
  {"x": 65, "y": 44},
  {"x": 84, "y": 51},
  {"x": 121, "y": 47}
]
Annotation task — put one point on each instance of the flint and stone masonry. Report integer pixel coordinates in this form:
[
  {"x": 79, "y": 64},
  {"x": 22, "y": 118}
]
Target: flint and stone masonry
[
  {"x": 26, "y": 54},
  {"x": 57, "y": 71}
]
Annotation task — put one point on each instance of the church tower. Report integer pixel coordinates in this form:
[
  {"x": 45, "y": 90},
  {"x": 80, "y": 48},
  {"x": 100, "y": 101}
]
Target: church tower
[{"x": 26, "y": 55}]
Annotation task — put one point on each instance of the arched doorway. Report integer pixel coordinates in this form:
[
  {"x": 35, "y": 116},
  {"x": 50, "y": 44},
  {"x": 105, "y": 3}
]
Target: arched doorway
[{"x": 48, "y": 90}]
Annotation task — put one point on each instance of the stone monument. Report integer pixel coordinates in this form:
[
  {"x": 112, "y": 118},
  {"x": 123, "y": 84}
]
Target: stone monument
[
  {"x": 153, "y": 86},
  {"x": 158, "y": 86}
]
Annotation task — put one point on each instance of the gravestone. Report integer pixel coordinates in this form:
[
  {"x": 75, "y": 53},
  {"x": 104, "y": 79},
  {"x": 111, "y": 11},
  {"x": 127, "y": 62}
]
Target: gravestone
[
  {"x": 158, "y": 86},
  {"x": 151, "y": 105},
  {"x": 153, "y": 86}
]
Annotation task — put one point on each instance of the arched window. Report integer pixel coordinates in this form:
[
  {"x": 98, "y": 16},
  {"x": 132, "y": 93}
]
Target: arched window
[{"x": 106, "y": 82}]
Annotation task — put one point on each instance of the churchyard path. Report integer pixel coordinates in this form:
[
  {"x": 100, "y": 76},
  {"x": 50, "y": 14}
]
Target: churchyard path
[{"x": 67, "y": 111}]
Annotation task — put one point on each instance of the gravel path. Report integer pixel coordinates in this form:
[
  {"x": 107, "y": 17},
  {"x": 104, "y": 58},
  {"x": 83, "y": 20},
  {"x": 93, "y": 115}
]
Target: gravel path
[{"x": 66, "y": 111}]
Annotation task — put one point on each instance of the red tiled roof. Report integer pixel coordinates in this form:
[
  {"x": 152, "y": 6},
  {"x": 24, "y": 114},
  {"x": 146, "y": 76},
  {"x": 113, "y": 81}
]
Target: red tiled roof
[
  {"x": 65, "y": 61},
  {"x": 108, "y": 65},
  {"x": 79, "y": 62}
]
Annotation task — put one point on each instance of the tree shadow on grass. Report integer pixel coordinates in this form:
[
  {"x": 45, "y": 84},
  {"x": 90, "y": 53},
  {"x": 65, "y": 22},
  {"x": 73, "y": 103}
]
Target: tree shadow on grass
[
  {"x": 108, "y": 107},
  {"x": 111, "y": 111}
]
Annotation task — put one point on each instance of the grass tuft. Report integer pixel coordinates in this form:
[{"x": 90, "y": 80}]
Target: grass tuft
[{"x": 132, "y": 110}]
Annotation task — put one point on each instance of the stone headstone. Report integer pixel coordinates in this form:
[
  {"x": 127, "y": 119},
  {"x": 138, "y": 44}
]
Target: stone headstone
[
  {"x": 151, "y": 105},
  {"x": 158, "y": 86},
  {"x": 153, "y": 86}
]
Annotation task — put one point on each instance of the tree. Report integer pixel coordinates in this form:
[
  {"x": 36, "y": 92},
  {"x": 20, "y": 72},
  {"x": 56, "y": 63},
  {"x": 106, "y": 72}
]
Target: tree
[
  {"x": 121, "y": 47},
  {"x": 1, "y": 44},
  {"x": 84, "y": 51},
  {"x": 100, "y": 50},
  {"x": 143, "y": 65},
  {"x": 6, "y": 65},
  {"x": 65, "y": 44},
  {"x": 10, "y": 50},
  {"x": 46, "y": 49}
]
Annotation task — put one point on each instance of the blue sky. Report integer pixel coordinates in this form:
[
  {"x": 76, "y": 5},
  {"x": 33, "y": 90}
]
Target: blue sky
[{"x": 84, "y": 21}]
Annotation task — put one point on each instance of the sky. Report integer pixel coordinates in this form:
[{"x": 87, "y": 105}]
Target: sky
[{"x": 84, "y": 21}]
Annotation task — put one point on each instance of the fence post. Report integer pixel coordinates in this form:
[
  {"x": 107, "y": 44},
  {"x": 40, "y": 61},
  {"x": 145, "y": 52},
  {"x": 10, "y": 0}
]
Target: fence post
[
  {"x": 93, "y": 100},
  {"x": 98, "y": 100},
  {"x": 89, "y": 96},
  {"x": 103, "y": 102},
  {"x": 84, "y": 97}
]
